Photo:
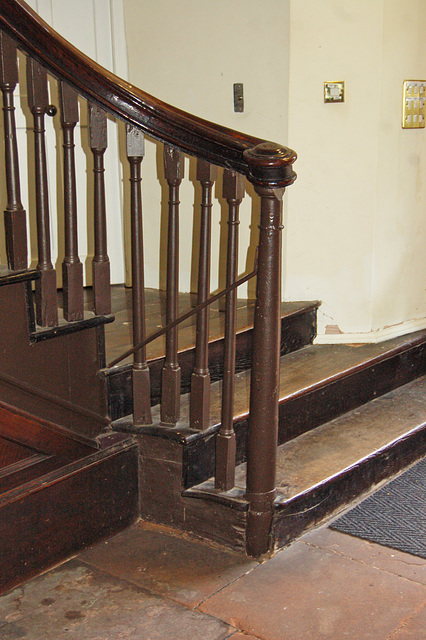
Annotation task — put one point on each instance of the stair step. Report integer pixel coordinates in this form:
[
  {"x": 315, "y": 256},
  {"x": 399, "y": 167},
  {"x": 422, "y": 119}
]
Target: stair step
[
  {"x": 317, "y": 383},
  {"x": 321, "y": 470},
  {"x": 298, "y": 329}
]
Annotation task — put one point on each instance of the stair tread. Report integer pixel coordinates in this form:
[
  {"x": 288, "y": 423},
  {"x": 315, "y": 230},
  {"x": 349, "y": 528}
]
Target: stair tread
[
  {"x": 300, "y": 371},
  {"x": 118, "y": 336},
  {"x": 317, "y": 455}
]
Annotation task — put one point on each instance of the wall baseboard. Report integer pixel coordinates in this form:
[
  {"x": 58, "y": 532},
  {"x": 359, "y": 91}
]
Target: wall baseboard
[{"x": 373, "y": 337}]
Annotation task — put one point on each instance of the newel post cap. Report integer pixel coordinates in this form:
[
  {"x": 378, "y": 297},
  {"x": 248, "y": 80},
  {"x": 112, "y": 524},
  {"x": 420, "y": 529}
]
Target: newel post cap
[{"x": 270, "y": 165}]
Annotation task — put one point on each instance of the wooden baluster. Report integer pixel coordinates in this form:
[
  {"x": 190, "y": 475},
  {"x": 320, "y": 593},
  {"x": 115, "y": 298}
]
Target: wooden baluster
[
  {"x": 200, "y": 382},
  {"x": 265, "y": 376},
  {"x": 100, "y": 264},
  {"x": 233, "y": 192},
  {"x": 135, "y": 145},
  {"x": 72, "y": 269},
  {"x": 171, "y": 374},
  {"x": 45, "y": 286},
  {"x": 14, "y": 216}
]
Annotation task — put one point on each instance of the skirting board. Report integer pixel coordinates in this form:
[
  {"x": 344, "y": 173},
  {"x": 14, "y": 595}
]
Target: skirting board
[{"x": 373, "y": 337}]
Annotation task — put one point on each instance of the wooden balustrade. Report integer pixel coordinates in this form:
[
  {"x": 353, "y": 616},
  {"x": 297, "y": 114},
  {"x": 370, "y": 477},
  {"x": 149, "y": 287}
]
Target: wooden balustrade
[
  {"x": 200, "y": 383},
  {"x": 141, "y": 380},
  {"x": 266, "y": 165},
  {"x": 72, "y": 269}
]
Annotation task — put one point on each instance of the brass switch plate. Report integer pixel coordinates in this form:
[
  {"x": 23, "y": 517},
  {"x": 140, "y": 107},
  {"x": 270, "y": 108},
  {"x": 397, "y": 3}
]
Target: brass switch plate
[
  {"x": 414, "y": 104},
  {"x": 334, "y": 91}
]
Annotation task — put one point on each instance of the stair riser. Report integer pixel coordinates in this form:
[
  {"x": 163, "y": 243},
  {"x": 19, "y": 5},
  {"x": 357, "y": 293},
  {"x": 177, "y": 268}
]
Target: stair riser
[
  {"x": 297, "y": 331},
  {"x": 308, "y": 410}
]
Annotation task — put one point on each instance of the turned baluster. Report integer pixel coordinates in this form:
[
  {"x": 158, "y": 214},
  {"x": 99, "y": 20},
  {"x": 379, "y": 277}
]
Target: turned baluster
[
  {"x": 14, "y": 216},
  {"x": 72, "y": 269},
  {"x": 200, "y": 381},
  {"x": 233, "y": 192},
  {"x": 135, "y": 147},
  {"x": 45, "y": 286},
  {"x": 171, "y": 374},
  {"x": 100, "y": 264}
]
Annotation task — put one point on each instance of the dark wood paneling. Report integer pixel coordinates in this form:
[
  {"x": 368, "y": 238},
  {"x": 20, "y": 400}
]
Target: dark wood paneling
[
  {"x": 54, "y": 379},
  {"x": 55, "y": 517}
]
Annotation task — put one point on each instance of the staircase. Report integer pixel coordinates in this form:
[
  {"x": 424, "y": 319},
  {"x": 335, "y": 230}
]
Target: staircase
[
  {"x": 349, "y": 417},
  {"x": 206, "y": 412}
]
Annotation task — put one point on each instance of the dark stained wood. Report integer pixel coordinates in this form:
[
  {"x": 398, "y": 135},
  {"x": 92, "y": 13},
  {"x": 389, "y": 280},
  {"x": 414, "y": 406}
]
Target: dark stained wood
[
  {"x": 135, "y": 149},
  {"x": 171, "y": 374},
  {"x": 200, "y": 381},
  {"x": 298, "y": 330},
  {"x": 100, "y": 265},
  {"x": 66, "y": 510},
  {"x": 318, "y": 384},
  {"x": 161, "y": 485},
  {"x": 72, "y": 269},
  {"x": 14, "y": 215},
  {"x": 264, "y": 382},
  {"x": 321, "y": 473},
  {"x": 53, "y": 379},
  {"x": 38, "y": 102},
  {"x": 233, "y": 192},
  {"x": 270, "y": 165}
]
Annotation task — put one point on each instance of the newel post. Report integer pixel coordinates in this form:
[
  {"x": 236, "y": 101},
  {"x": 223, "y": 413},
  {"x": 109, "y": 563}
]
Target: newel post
[{"x": 276, "y": 163}]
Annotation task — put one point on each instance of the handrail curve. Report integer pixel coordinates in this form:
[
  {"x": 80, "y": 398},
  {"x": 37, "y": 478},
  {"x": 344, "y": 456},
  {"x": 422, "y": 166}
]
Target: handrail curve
[{"x": 265, "y": 164}]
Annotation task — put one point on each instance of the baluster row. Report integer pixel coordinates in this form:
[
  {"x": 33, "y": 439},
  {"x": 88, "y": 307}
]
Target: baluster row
[
  {"x": 72, "y": 268},
  {"x": 15, "y": 215}
]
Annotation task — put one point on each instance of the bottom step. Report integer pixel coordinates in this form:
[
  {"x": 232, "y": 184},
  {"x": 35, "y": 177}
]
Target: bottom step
[{"x": 326, "y": 468}]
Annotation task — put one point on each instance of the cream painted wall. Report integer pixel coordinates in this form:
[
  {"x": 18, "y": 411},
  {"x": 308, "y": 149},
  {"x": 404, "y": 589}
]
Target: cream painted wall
[
  {"x": 190, "y": 53},
  {"x": 356, "y": 223}
]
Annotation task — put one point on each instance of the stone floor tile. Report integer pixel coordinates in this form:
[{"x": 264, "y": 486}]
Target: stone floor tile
[
  {"x": 307, "y": 593},
  {"x": 412, "y": 629},
  {"x": 185, "y": 570},
  {"x": 243, "y": 636},
  {"x": 78, "y": 602},
  {"x": 384, "y": 558}
]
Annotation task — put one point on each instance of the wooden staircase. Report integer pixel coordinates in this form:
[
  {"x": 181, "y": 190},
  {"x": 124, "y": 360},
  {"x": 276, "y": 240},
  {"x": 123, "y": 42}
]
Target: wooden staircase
[
  {"x": 227, "y": 421},
  {"x": 349, "y": 417}
]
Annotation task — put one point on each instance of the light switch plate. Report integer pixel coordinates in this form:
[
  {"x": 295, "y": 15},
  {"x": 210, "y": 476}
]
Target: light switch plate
[
  {"x": 414, "y": 104},
  {"x": 334, "y": 91}
]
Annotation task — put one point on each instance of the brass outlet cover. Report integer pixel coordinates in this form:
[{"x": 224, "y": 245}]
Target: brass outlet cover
[
  {"x": 334, "y": 91},
  {"x": 414, "y": 104}
]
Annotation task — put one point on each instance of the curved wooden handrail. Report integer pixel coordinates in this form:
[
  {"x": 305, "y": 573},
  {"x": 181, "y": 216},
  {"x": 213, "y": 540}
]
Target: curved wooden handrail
[{"x": 265, "y": 164}]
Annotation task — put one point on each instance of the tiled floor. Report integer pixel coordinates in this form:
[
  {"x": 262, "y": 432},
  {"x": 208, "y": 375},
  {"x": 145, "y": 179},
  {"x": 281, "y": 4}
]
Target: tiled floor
[{"x": 146, "y": 584}]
